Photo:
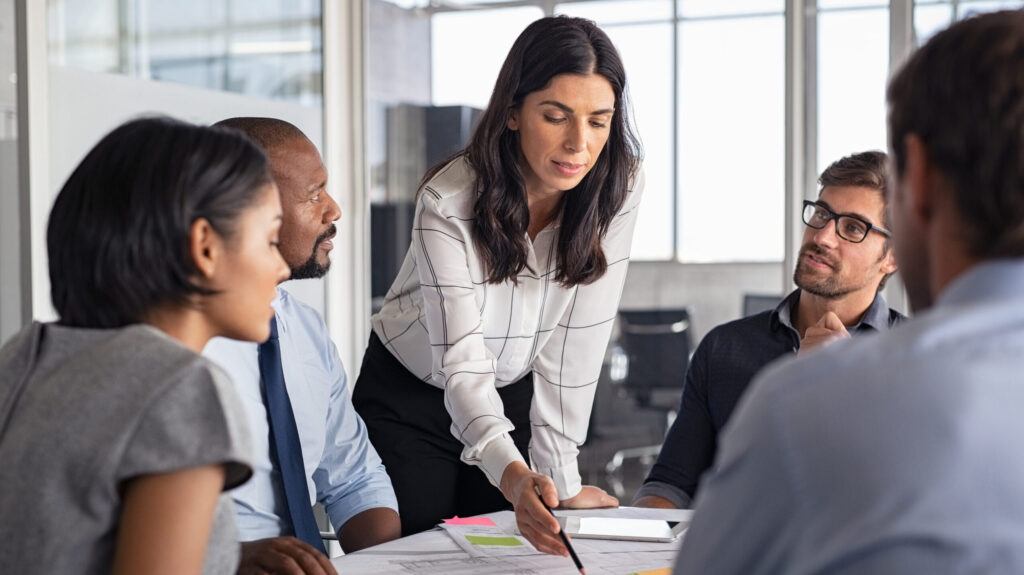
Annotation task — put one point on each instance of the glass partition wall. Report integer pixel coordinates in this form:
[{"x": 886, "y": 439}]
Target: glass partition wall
[
  {"x": 12, "y": 304},
  {"x": 264, "y": 48}
]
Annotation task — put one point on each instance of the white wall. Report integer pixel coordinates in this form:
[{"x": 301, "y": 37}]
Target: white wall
[
  {"x": 84, "y": 106},
  {"x": 713, "y": 292}
]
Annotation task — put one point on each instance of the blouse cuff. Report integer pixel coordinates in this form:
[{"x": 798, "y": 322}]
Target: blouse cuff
[
  {"x": 567, "y": 479},
  {"x": 497, "y": 455}
]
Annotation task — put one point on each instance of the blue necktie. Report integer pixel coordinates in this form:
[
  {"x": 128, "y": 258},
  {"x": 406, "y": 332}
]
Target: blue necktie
[{"x": 285, "y": 448}]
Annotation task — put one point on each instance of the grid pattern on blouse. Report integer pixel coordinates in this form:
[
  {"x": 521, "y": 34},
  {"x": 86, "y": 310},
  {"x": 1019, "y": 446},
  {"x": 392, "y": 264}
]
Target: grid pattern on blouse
[{"x": 452, "y": 329}]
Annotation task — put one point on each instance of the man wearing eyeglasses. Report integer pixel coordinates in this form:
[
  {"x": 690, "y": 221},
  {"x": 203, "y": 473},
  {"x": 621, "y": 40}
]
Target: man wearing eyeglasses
[{"x": 844, "y": 263}]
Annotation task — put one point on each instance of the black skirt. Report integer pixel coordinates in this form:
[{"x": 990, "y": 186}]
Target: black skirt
[{"x": 411, "y": 430}]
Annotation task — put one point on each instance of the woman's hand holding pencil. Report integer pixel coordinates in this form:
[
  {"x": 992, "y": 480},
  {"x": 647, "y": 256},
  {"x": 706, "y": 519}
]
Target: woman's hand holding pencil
[
  {"x": 525, "y": 490},
  {"x": 565, "y": 538}
]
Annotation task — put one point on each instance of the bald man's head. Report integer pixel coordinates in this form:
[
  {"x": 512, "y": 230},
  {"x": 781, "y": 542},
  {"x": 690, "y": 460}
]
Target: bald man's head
[
  {"x": 267, "y": 133},
  {"x": 309, "y": 212}
]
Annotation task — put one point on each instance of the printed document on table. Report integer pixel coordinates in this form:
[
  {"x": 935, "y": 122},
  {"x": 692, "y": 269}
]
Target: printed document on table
[
  {"x": 538, "y": 564},
  {"x": 488, "y": 540},
  {"x": 436, "y": 552}
]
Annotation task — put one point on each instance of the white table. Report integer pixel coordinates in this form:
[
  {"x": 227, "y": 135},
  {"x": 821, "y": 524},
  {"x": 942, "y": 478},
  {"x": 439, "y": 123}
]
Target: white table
[{"x": 435, "y": 553}]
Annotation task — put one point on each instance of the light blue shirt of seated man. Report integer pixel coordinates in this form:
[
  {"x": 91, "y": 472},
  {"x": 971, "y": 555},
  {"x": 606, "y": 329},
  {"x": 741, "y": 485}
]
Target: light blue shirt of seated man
[
  {"x": 343, "y": 470},
  {"x": 894, "y": 453}
]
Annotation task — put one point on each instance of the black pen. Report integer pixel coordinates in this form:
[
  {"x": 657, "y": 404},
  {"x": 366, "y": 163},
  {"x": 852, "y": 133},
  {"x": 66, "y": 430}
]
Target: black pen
[{"x": 565, "y": 538}]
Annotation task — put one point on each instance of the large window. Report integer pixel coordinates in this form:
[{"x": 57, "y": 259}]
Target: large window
[
  {"x": 731, "y": 134},
  {"x": 930, "y": 16},
  {"x": 467, "y": 49},
  {"x": 706, "y": 94},
  {"x": 851, "y": 82},
  {"x": 640, "y": 29},
  {"x": 707, "y": 83}
]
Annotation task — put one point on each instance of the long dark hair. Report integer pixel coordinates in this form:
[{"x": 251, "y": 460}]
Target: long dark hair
[
  {"x": 118, "y": 233},
  {"x": 547, "y": 48}
]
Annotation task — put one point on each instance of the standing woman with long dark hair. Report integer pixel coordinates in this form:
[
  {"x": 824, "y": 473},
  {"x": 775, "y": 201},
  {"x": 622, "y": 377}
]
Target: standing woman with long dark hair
[{"x": 487, "y": 351}]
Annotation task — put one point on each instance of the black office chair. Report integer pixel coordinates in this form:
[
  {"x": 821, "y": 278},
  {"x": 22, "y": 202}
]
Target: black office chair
[
  {"x": 756, "y": 303},
  {"x": 657, "y": 345}
]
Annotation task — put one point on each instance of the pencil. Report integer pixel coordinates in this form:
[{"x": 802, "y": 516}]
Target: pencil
[{"x": 565, "y": 538}]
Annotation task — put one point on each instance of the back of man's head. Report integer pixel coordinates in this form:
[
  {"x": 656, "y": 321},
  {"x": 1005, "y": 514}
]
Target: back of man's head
[
  {"x": 267, "y": 133},
  {"x": 962, "y": 95}
]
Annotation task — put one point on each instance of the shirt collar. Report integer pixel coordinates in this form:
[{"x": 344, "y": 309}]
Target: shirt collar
[
  {"x": 990, "y": 280},
  {"x": 783, "y": 313},
  {"x": 279, "y": 302},
  {"x": 875, "y": 317}
]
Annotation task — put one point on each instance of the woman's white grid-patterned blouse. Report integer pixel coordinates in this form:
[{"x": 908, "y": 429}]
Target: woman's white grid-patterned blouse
[{"x": 449, "y": 327}]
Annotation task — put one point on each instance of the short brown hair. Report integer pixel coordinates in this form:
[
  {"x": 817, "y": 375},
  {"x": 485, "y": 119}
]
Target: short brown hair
[
  {"x": 863, "y": 170},
  {"x": 962, "y": 94}
]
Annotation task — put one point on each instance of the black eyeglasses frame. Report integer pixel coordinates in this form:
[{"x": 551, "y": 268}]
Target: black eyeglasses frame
[{"x": 834, "y": 217}]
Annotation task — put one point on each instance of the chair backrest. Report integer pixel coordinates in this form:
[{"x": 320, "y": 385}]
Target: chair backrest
[
  {"x": 657, "y": 343},
  {"x": 756, "y": 303}
]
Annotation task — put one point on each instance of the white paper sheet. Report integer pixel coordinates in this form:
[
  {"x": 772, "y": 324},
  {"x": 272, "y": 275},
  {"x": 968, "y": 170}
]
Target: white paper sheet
[
  {"x": 468, "y": 538},
  {"x": 435, "y": 553}
]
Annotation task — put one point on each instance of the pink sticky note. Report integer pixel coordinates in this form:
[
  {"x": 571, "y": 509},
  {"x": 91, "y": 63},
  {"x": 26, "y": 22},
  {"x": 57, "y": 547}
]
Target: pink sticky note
[{"x": 469, "y": 521}]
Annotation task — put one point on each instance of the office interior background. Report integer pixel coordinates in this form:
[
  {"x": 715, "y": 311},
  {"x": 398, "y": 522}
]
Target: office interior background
[{"x": 739, "y": 104}]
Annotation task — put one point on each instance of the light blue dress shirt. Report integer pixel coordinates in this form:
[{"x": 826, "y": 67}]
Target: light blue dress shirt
[
  {"x": 893, "y": 453},
  {"x": 343, "y": 470}
]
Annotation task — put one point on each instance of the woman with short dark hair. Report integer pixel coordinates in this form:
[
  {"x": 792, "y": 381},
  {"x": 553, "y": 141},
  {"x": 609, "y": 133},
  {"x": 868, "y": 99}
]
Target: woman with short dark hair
[
  {"x": 490, "y": 342},
  {"x": 117, "y": 439}
]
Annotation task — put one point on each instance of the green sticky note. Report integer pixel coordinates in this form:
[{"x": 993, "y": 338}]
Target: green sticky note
[{"x": 502, "y": 541}]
